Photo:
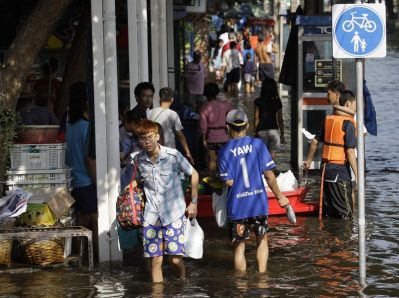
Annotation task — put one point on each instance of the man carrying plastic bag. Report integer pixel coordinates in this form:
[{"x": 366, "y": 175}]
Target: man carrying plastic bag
[{"x": 242, "y": 163}]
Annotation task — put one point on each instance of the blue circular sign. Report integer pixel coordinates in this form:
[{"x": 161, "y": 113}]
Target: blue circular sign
[{"x": 359, "y": 31}]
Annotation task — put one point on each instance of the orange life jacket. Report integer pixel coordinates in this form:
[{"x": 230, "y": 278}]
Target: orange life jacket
[{"x": 333, "y": 147}]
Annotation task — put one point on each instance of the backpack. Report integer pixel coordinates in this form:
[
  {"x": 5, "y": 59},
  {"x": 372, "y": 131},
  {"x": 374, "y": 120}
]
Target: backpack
[{"x": 130, "y": 206}]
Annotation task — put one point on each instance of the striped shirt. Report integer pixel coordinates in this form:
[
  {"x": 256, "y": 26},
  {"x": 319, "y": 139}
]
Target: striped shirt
[{"x": 162, "y": 185}]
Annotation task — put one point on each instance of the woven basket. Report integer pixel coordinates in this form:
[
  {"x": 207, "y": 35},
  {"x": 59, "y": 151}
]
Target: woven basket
[
  {"x": 5, "y": 252},
  {"x": 43, "y": 252},
  {"x": 37, "y": 134},
  {"x": 6, "y": 245}
]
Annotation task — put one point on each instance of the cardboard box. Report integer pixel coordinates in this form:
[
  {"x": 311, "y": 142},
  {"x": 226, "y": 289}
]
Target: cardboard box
[{"x": 57, "y": 199}]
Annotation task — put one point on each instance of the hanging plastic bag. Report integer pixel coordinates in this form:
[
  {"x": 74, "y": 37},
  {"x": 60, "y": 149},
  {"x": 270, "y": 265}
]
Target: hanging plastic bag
[
  {"x": 193, "y": 239},
  {"x": 287, "y": 181},
  {"x": 219, "y": 205}
]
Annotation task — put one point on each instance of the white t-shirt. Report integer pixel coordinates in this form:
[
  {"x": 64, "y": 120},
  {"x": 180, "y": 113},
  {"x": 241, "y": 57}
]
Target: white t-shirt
[
  {"x": 224, "y": 37},
  {"x": 170, "y": 122},
  {"x": 232, "y": 59}
]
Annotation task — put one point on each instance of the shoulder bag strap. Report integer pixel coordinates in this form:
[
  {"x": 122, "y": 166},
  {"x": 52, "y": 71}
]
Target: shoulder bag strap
[
  {"x": 136, "y": 165},
  {"x": 155, "y": 119}
]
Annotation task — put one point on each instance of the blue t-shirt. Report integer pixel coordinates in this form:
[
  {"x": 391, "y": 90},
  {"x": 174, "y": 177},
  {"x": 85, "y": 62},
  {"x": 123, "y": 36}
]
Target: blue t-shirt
[
  {"x": 252, "y": 52},
  {"x": 244, "y": 160},
  {"x": 76, "y": 151}
]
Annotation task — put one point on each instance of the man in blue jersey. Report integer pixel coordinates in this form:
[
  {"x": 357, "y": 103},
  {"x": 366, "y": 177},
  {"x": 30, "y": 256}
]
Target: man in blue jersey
[{"x": 242, "y": 162}]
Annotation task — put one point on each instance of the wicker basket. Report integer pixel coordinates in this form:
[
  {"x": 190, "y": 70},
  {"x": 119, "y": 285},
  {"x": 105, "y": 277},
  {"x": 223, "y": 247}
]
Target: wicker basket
[
  {"x": 37, "y": 134},
  {"x": 6, "y": 245},
  {"x": 43, "y": 252},
  {"x": 5, "y": 252}
]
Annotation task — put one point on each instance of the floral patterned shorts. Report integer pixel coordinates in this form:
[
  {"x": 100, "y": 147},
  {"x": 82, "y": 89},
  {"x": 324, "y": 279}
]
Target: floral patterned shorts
[{"x": 159, "y": 240}]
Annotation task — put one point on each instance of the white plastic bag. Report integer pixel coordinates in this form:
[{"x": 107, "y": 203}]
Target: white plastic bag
[
  {"x": 287, "y": 181},
  {"x": 193, "y": 239},
  {"x": 219, "y": 206}
]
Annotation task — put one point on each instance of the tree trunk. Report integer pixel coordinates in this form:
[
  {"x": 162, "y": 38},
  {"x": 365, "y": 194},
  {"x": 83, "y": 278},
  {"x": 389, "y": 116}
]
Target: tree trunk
[
  {"x": 24, "y": 49},
  {"x": 26, "y": 46},
  {"x": 3, "y": 163},
  {"x": 76, "y": 67}
]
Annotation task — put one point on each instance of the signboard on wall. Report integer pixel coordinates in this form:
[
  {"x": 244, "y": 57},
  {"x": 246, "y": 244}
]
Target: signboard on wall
[
  {"x": 196, "y": 6},
  {"x": 324, "y": 72}
]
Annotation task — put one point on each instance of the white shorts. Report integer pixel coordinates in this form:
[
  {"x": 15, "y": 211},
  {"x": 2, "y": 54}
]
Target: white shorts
[{"x": 248, "y": 78}]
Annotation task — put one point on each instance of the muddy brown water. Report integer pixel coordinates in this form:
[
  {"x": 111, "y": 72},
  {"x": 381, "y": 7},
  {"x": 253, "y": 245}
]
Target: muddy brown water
[{"x": 312, "y": 258}]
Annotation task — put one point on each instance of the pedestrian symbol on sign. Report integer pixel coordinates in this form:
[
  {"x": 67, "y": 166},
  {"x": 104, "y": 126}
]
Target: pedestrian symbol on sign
[
  {"x": 358, "y": 31},
  {"x": 356, "y": 40}
]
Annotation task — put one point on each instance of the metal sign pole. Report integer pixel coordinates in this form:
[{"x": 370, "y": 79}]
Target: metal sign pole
[
  {"x": 359, "y": 31},
  {"x": 360, "y": 168}
]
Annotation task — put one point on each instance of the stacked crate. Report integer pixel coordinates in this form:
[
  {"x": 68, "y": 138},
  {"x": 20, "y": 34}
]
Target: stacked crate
[{"x": 36, "y": 166}]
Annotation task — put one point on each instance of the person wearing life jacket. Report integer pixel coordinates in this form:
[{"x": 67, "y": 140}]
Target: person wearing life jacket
[
  {"x": 334, "y": 89},
  {"x": 338, "y": 135}
]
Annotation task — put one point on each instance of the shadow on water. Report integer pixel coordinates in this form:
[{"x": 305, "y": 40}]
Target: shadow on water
[{"x": 312, "y": 258}]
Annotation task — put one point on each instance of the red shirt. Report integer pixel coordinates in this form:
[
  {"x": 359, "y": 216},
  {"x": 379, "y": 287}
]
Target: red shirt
[{"x": 213, "y": 120}]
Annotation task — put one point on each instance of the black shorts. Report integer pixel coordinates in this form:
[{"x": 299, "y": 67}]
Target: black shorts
[
  {"x": 266, "y": 71},
  {"x": 240, "y": 229},
  {"x": 337, "y": 199},
  {"x": 233, "y": 76}
]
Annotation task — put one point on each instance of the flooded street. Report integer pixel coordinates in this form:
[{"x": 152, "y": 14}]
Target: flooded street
[{"x": 312, "y": 258}]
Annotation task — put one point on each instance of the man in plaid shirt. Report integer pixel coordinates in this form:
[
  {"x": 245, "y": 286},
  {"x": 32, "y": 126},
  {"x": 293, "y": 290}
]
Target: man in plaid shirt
[{"x": 164, "y": 215}]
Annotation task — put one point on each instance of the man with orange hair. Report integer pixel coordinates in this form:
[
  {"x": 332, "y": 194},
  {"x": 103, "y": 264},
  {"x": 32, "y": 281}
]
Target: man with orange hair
[{"x": 164, "y": 217}]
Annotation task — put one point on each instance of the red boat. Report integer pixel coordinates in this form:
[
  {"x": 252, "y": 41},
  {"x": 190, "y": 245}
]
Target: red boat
[{"x": 295, "y": 197}]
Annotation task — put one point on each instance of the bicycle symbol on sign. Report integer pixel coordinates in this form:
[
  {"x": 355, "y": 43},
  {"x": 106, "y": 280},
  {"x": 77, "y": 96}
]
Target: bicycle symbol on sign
[{"x": 362, "y": 22}]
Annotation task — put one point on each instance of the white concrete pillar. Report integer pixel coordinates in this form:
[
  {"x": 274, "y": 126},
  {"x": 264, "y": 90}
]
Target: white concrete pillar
[
  {"x": 106, "y": 123},
  {"x": 111, "y": 103},
  {"x": 171, "y": 44},
  {"x": 155, "y": 59},
  {"x": 100, "y": 124},
  {"x": 142, "y": 40},
  {"x": 163, "y": 45},
  {"x": 132, "y": 20}
]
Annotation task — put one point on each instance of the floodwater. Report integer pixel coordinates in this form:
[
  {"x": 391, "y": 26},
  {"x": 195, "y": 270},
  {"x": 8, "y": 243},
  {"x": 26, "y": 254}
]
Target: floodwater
[{"x": 312, "y": 258}]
